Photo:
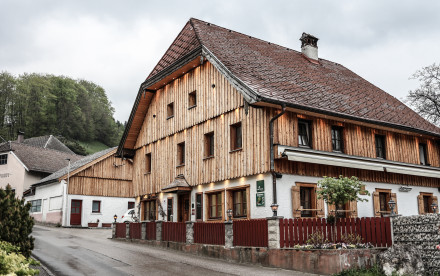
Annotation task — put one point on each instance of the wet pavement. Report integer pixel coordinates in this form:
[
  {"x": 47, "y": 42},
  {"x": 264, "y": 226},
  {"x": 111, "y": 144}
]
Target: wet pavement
[{"x": 71, "y": 251}]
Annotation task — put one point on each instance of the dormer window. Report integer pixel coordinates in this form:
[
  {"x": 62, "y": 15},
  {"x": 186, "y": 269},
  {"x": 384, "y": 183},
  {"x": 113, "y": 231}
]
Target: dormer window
[
  {"x": 170, "y": 110},
  {"x": 304, "y": 133}
]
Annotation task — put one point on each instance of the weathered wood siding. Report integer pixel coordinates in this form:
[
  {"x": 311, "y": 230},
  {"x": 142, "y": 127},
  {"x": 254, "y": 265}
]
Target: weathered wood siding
[
  {"x": 211, "y": 102},
  {"x": 358, "y": 140},
  {"x": 252, "y": 159},
  {"x": 103, "y": 178}
]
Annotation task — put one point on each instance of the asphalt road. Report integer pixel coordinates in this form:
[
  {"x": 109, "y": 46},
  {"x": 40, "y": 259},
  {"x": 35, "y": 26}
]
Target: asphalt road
[{"x": 69, "y": 251}]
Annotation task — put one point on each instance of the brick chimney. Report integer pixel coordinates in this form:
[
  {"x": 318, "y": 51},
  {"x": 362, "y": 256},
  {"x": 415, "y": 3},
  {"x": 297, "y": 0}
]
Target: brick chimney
[
  {"x": 309, "y": 46},
  {"x": 20, "y": 137}
]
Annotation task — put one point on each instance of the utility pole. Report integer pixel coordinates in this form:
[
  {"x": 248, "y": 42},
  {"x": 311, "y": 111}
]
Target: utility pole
[{"x": 66, "y": 204}]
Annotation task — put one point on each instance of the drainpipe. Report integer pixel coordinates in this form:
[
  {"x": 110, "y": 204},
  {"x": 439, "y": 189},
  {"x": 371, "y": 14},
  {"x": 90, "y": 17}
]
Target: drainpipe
[{"x": 272, "y": 163}]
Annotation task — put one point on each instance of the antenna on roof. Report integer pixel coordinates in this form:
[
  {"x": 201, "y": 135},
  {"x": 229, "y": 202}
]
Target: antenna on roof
[{"x": 3, "y": 139}]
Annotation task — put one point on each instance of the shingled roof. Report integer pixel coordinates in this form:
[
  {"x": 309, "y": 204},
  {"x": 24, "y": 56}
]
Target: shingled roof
[
  {"x": 267, "y": 72},
  {"x": 48, "y": 142},
  {"x": 37, "y": 158},
  {"x": 74, "y": 166}
]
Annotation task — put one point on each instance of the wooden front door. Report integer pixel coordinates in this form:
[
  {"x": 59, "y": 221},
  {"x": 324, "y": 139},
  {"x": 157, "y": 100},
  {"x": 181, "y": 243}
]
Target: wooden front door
[
  {"x": 184, "y": 208},
  {"x": 75, "y": 212}
]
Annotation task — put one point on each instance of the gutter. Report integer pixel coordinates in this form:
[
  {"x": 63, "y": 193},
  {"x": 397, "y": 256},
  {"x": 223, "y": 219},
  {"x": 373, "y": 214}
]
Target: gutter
[{"x": 272, "y": 157}]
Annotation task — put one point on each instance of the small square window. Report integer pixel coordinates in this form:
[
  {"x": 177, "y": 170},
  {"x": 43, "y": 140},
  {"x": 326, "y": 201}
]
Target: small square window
[
  {"x": 304, "y": 133},
  {"x": 192, "y": 99},
  {"x": 170, "y": 110},
  {"x": 130, "y": 205},
  {"x": 236, "y": 136},
  {"x": 3, "y": 159},
  {"x": 148, "y": 162},
  {"x": 209, "y": 144},
  {"x": 181, "y": 154},
  {"x": 96, "y": 206},
  {"x": 380, "y": 146}
]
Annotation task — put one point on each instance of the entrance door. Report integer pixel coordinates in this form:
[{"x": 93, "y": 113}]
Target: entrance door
[
  {"x": 75, "y": 212},
  {"x": 184, "y": 213}
]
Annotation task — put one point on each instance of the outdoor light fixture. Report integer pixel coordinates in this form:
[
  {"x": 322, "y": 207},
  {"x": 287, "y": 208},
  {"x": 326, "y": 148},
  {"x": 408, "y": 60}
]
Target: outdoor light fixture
[
  {"x": 274, "y": 208},
  {"x": 392, "y": 204},
  {"x": 434, "y": 207},
  {"x": 229, "y": 212},
  {"x": 171, "y": 217},
  {"x": 115, "y": 217}
]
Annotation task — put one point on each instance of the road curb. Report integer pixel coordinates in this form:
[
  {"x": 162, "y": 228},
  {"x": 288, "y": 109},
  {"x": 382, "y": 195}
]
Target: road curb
[{"x": 42, "y": 267}]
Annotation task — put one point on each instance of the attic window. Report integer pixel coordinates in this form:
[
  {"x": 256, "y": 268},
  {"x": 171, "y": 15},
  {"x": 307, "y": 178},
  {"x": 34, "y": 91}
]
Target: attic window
[
  {"x": 236, "y": 136},
  {"x": 181, "y": 154},
  {"x": 192, "y": 99},
  {"x": 170, "y": 110},
  {"x": 3, "y": 159}
]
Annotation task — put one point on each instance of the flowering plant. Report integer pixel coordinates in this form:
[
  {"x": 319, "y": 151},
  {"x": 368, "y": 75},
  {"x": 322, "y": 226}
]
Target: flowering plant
[{"x": 437, "y": 247}]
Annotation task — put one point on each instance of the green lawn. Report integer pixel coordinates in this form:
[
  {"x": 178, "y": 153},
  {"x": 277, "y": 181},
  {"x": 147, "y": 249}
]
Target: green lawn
[{"x": 93, "y": 146}]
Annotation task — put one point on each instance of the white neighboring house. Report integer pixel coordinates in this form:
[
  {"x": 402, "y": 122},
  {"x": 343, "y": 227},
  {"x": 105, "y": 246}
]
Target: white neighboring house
[{"x": 86, "y": 193}]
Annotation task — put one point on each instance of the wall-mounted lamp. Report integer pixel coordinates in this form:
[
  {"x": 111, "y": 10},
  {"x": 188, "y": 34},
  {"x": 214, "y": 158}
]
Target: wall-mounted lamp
[
  {"x": 229, "y": 212},
  {"x": 115, "y": 217},
  {"x": 434, "y": 207},
  {"x": 274, "y": 208},
  {"x": 392, "y": 205}
]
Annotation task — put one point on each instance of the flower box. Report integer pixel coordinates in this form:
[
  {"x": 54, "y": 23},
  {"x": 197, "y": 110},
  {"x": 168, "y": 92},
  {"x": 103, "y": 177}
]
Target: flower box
[{"x": 93, "y": 224}]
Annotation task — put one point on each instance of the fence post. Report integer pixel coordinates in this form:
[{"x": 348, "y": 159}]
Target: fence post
[
  {"x": 159, "y": 230},
  {"x": 113, "y": 230},
  {"x": 229, "y": 234},
  {"x": 143, "y": 231},
  {"x": 273, "y": 231},
  {"x": 127, "y": 230},
  {"x": 189, "y": 232}
]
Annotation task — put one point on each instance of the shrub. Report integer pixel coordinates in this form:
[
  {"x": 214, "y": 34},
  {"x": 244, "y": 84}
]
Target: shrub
[
  {"x": 14, "y": 263},
  {"x": 351, "y": 239},
  {"x": 317, "y": 238},
  {"x": 15, "y": 222}
]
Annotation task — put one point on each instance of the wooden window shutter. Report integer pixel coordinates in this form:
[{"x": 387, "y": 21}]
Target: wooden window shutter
[
  {"x": 376, "y": 204},
  {"x": 394, "y": 197},
  {"x": 320, "y": 206},
  {"x": 296, "y": 202},
  {"x": 435, "y": 200},
  {"x": 420, "y": 204},
  {"x": 353, "y": 207}
]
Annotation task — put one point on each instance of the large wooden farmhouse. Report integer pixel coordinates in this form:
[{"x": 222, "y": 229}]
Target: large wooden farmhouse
[{"x": 226, "y": 121}]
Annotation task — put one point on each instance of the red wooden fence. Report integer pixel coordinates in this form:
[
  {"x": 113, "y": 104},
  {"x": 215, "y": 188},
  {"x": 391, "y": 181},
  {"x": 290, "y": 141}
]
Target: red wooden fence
[
  {"x": 120, "y": 230},
  {"x": 135, "y": 230},
  {"x": 174, "y": 231},
  {"x": 209, "y": 233},
  {"x": 250, "y": 232},
  {"x": 151, "y": 230},
  {"x": 376, "y": 231}
]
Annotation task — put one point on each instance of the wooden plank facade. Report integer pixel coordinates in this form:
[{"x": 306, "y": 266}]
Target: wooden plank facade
[{"x": 108, "y": 176}]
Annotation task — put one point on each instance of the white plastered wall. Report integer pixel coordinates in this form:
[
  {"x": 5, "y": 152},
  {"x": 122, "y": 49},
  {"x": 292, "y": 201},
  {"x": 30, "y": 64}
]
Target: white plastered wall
[{"x": 51, "y": 202}]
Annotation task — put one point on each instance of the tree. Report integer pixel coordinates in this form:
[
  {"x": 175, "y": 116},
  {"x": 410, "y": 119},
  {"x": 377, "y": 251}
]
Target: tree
[
  {"x": 425, "y": 99},
  {"x": 15, "y": 222},
  {"x": 339, "y": 191}
]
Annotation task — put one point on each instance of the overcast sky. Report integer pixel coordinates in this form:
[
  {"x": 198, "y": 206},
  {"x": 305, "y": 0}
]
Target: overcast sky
[{"x": 117, "y": 43}]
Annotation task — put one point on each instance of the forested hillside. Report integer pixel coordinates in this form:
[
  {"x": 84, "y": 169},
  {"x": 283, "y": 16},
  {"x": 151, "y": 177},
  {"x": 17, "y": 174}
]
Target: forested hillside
[{"x": 38, "y": 104}]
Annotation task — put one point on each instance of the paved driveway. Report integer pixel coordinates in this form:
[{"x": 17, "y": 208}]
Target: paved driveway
[{"x": 69, "y": 251}]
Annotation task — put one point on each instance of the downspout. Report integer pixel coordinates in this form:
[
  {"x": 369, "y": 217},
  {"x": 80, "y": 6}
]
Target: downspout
[{"x": 272, "y": 163}]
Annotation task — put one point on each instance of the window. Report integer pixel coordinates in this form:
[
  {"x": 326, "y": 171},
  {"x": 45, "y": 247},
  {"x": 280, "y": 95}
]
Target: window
[
  {"x": 236, "y": 136},
  {"x": 380, "y": 146},
  {"x": 423, "y": 155},
  {"x": 96, "y": 206},
  {"x": 192, "y": 99},
  {"x": 36, "y": 206},
  {"x": 239, "y": 208},
  {"x": 130, "y": 205},
  {"x": 181, "y": 154},
  {"x": 170, "y": 209},
  {"x": 199, "y": 206},
  {"x": 150, "y": 210},
  {"x": 337, "y": 143},
  {"x": 381, "y": 198},
  {"x": 305, "y": 202},
  {"x": 215, "y": 205},
  {"x": 425, "y": 201},
  {"x": 148, "y": 163},
  {"x": 170, "y": 110},
  {"x": 3, "y": 159},
  {"x": 304, "y": 137},
  {"x": 209, "y": 144}
]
